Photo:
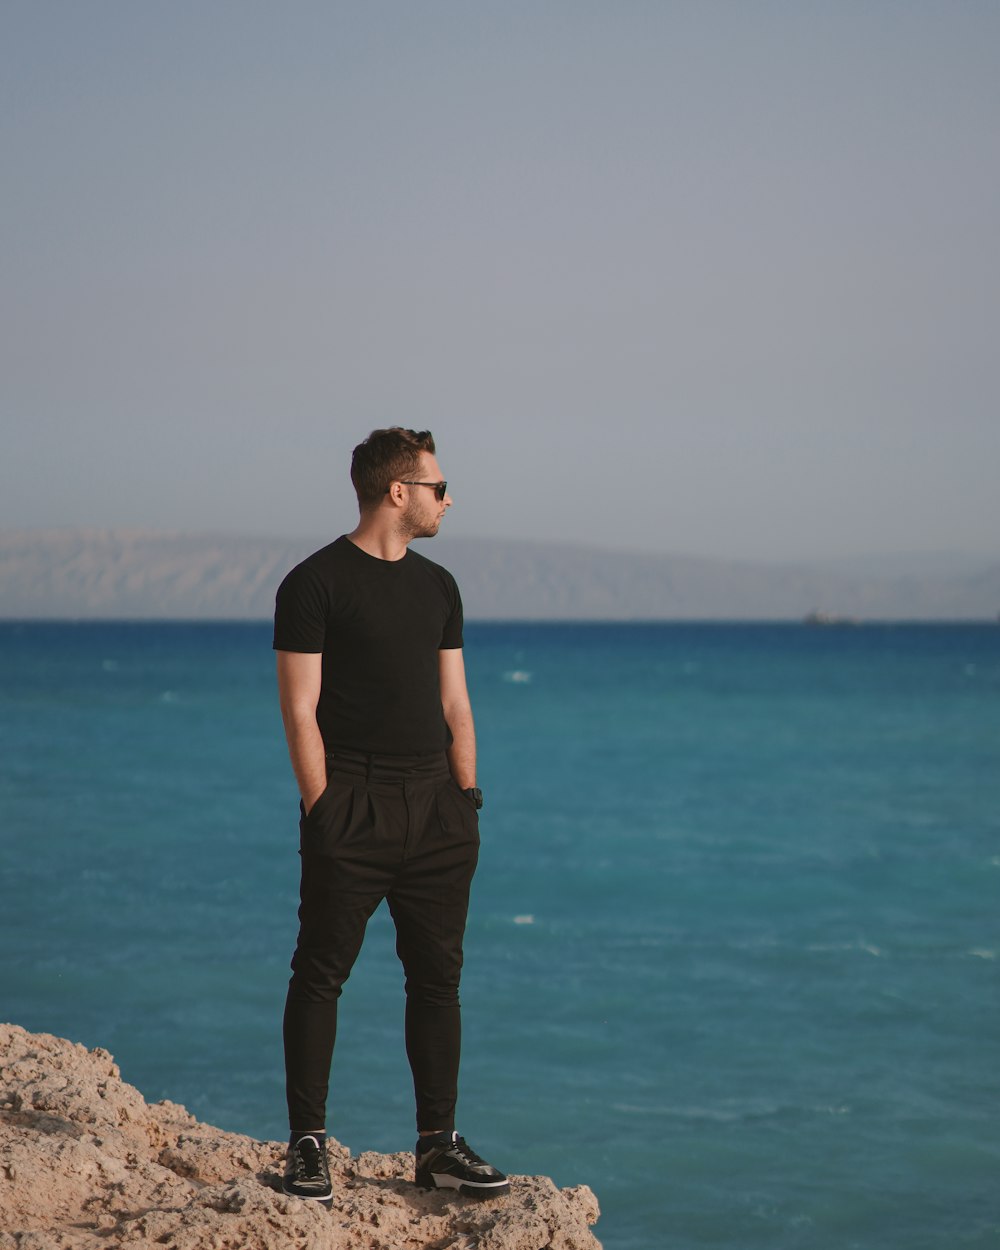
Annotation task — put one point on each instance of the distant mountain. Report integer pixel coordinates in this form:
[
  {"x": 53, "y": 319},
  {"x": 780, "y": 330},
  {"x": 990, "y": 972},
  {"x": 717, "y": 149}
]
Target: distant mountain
[{"x": 120, "y": 573}]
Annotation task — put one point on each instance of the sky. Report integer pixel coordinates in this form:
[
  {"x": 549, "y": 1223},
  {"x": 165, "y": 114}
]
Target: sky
[{"x": 710, "y": 278}]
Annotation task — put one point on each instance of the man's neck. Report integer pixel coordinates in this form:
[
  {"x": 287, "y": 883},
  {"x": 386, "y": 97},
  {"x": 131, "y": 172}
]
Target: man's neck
[{"x": 378, "y": 540}]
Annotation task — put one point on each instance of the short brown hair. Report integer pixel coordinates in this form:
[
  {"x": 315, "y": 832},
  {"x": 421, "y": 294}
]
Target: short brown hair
[{"x": 386, "y": 456}]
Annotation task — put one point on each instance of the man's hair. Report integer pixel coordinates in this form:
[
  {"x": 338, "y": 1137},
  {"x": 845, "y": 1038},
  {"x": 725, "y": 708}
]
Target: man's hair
[{"x": 386, "y": 456}]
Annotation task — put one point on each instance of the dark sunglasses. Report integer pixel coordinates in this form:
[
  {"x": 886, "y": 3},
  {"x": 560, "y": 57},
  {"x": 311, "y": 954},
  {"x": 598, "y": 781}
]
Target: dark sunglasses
[{"x": 440, "y": 488}]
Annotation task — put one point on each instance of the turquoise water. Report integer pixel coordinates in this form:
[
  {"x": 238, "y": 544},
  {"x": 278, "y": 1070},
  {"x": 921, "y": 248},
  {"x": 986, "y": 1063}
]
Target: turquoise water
[{"x": 733, "y": 956}]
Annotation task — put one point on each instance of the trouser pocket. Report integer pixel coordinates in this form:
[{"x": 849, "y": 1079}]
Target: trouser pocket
[{"x": 334, "y": 816}]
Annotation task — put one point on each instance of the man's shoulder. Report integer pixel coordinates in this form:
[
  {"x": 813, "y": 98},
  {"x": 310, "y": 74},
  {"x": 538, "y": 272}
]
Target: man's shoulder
[
  {"x": 319, "y": 561},
  {"x": 430, "y": 568},
  {"x": 315, "y": 574}
]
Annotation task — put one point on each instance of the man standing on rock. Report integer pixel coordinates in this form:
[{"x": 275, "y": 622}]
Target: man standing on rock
[{"x": 371, "y": 681}]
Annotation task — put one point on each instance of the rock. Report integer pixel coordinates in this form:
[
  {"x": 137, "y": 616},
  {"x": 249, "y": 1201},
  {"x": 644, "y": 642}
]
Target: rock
[{"x": 87, "y": 1164}]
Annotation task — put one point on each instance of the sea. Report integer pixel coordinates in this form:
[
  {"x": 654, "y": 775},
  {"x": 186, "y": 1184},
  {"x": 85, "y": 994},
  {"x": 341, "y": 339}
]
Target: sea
[{"x": 734, "y": 946}]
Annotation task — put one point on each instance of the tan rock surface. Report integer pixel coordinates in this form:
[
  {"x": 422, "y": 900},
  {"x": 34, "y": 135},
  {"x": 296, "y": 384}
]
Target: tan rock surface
[{"x": 86, "y": 1163}]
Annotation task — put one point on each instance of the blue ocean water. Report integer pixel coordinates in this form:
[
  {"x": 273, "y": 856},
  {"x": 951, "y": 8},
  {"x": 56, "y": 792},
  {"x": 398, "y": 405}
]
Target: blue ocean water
[{"x": 733, "y": 954}]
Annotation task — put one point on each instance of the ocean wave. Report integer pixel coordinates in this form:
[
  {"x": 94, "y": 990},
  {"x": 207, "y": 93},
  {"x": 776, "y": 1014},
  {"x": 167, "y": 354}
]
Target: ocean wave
[
  {"x": 731, "y": 1113},
  {"x": 868, "y": 948}
]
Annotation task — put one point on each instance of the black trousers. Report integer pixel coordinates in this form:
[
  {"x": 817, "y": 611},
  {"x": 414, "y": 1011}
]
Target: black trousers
[{"x": 397, "y": 828}]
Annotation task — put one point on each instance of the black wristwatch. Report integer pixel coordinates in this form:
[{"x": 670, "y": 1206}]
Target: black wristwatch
[{"x": 475, "y": 796}]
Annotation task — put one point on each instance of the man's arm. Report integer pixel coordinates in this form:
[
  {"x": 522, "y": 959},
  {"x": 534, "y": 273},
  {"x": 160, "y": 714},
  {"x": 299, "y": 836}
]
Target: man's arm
[
  {"x": 300, "y": 676},
  {"x": 458, "y": 714}
]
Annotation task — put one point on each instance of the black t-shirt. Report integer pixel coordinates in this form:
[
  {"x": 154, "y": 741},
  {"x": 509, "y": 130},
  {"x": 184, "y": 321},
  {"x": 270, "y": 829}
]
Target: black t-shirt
[{"x": 379, "y": 625}]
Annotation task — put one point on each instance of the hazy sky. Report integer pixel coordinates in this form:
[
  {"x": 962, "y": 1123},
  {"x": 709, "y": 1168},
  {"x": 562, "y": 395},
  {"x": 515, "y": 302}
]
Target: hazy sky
[{"x": 717, "y": 278}]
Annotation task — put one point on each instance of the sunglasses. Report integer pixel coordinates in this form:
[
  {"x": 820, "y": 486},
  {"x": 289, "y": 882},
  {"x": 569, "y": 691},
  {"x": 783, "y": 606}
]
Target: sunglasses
[{"x": 440, "y": 488}]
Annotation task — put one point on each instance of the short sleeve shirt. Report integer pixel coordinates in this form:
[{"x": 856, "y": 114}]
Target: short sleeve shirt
[{"x": 379, "y": 625}]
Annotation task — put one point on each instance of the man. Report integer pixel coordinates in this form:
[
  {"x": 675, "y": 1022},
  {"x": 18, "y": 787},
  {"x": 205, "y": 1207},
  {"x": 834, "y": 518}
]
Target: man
[{"x": 371, "y": 681}]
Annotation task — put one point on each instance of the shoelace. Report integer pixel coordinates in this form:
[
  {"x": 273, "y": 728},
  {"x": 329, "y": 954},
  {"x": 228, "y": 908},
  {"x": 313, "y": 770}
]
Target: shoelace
[
  {"x": 308, "y": 1161},
  {"x": 464, "y": 1151}
]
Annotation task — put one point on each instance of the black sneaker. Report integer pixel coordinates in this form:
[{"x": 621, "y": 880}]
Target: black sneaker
[
  {"x": 307, "y": 1174},
  {"x": 446, "y": 1161}
]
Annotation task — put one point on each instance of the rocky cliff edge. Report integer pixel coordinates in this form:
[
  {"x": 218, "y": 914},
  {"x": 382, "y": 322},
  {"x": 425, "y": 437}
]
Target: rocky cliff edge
[{"x": 86, "y": 1163}]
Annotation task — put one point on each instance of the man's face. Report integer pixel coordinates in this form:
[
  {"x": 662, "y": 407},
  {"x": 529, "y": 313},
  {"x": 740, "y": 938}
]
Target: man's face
[{"x": 423, "y": 512}]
